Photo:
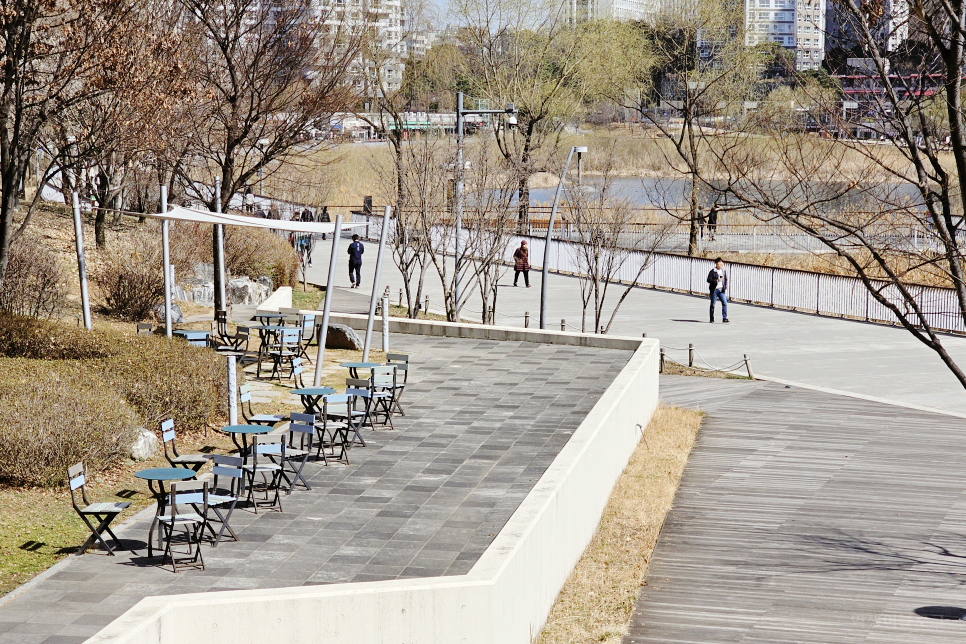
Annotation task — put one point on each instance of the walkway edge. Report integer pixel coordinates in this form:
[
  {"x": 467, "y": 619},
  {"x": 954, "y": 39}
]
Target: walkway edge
[{"x": 850, "y": 394}]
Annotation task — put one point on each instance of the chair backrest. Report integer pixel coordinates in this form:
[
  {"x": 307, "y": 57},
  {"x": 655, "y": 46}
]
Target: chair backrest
[
  {"x": 267, "y": 444},
  {"x": 145, "y": 328},
  {"x": 384, "y": 375},
  {"x": 167, "y": 430},
  {"x": 300, "y": 435},
  {"x": 230, "y": 467},
  {"x": 304, "y": 419},
  {"x": 185, "y": 493},
  {"x": 297, "y": 373},
  {"x": 393, "y": 358},
  {"x": 290, "y": 337},
  {"x": 358, "y": 383},
  {"x": 242, "y": 334},
  {"x": 77, "y": 480},
  {"x": 288, "y": 311}
]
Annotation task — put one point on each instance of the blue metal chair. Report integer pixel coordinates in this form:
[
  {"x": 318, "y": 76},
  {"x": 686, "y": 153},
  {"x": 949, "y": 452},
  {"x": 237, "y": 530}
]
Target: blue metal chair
[
  {"x": 300, "y": 434},
  {"x": 188, "y": 461},
  {"x": 183, "y": 526},
  {"x": 260, "y": 460},
  {"x": 245, "y": 402},
  {"x": 101, "y": 513}
]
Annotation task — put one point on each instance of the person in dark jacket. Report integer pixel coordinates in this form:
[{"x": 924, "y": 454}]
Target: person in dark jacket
[
  {"x": 356, "y": 249},
  {"x": 521, "y": 264},
  {"x": 712, "y": 221},
  {"x": 323, "y": 218},
  {"x": 717, "y": 286}
]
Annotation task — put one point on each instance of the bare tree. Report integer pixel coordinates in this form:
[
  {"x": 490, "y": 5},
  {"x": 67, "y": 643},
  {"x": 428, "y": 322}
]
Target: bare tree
[
  {"x": 269, "y": 74},
  {"x": 600, "y": 219},
  {"x": 861, "y": 200},
  {"x": 55, "y": 56}
]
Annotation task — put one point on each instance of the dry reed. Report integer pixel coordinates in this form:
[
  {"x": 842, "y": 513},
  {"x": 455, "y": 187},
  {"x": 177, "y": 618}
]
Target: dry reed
[{"x": 596, "y": 602}]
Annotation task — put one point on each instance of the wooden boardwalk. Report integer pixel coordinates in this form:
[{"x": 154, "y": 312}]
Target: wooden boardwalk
[{"x": 810, "y": 517}]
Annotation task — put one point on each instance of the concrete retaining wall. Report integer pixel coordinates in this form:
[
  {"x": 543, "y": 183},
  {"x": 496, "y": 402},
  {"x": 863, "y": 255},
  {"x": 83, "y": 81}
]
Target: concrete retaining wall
[
  {"x": 280, "y": 299},
  {"x": 506, "y": 596}
]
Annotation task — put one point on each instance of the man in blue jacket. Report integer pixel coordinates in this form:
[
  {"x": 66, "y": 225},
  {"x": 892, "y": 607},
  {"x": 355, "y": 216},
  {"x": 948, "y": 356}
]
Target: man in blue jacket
[
  {"x": 356, "y": 249},
  {"x": 717, "y": 285}
]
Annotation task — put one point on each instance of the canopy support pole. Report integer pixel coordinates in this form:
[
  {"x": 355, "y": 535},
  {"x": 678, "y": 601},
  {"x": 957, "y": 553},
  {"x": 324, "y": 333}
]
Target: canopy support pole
[
  {"x": 375, "y": 286},
  {"x": 81, "y": 264},
  {"x": 166, "y": 254},
  {"x": 327, "y": 306}
]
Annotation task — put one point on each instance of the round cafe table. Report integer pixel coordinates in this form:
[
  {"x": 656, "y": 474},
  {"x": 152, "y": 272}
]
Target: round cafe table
[
  {"x": 156, "y": 478},
  {"x": 355, "y": 366},
  {"x": 244, "y": 431},
  {"x": 312, "y": 398}
]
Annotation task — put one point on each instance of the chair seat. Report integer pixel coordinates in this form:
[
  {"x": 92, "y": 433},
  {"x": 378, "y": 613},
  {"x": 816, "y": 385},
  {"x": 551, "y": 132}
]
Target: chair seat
[
  {"x": 217, "y": 499},
  {"x": 105, "y": 507},
  {"x": 190, "y": 458},
  {"x": 291, "y": 452},
  {"x": 189, "y": 517},
  {"x": 265, "y": 418},
  {"x": 263, "y": 467}
]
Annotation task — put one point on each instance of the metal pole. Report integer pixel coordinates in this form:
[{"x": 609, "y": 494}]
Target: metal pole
[
  {"x": 81, "y": 264},
  {"x": 458, "y": 198},
  {"x": 232, "y": 391},
  {"x": 385, "y": 325},
  {"x": 375, "y": 286},
  {"x": 327, "y": 305},
  {"x": 221, "y": 302},
  {"x": 546, "y": 247},
  {"x": 166, "y": 255}
]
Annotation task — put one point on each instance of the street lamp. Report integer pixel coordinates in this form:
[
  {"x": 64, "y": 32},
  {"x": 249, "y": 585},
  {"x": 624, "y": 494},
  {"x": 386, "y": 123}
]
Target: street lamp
[
  {"x": 460, "y": 166},
  {"x": 580, "y": 150}
]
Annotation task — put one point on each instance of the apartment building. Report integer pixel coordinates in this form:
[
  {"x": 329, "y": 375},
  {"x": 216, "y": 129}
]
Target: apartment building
[{"x": 798, "y": 25}]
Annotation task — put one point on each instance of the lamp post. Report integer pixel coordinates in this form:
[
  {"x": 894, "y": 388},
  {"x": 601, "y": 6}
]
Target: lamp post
[
  {"x": 580, "y": 149},
  {"x": 461, "y": 112}
]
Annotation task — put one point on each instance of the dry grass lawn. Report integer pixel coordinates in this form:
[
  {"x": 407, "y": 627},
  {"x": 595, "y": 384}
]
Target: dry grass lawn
[{"x": 596, "y": 602}]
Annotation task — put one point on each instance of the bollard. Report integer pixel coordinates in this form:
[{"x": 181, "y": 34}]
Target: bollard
[
  {"x": 661, "y": 369},
  {"x": 489, "y": 316},
  {"x": 232, "y": 390},
  {"x": 526, "y": 319},
  {"x": 690, "y": 355},
  {"x": 385, "y": 324},
  {"x": 563, "y": 325},
  {"x": 643, "y": 335},
  {"x": 400, "y": 298},
  {"x": 426, "y": 307},
  {"x": 751, "y": 374}
]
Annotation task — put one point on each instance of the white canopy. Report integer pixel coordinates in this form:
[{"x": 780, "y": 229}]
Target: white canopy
[{"x": 177, "y": 213}]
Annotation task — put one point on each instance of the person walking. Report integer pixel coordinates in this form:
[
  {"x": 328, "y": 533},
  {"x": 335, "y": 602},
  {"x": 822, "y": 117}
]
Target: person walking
[
  {"x": 701, "y": 219},
  {"x": 713, "y": 221},
  {"x": 717, "y": 286},
  {"x": 521, "y": 264},
  {"x": 356, "y": 249},
  {"x": 323, "y": 218}
]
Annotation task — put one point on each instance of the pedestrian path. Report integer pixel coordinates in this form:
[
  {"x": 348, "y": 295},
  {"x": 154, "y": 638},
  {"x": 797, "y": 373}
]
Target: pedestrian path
[
  {"x": 804, "y": 516},
  {"x": 865, "y": 359},
  {"x": 484, "y": 419}
]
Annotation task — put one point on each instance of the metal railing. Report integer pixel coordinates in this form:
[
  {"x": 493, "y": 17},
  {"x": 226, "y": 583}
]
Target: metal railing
[{"x": 781, "y": 288}]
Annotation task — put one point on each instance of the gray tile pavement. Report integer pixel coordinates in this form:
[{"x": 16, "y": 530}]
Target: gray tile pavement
[{"x": 484, "y": 420}]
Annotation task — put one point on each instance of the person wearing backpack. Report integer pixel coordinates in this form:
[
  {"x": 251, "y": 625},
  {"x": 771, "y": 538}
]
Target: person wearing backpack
[{"x": 356, "y": 249}]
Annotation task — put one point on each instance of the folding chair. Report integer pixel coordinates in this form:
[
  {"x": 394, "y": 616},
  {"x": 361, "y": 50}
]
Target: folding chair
[
  {"x": 245, "y": 402},
  {"x": 238, "y": 343},
  {"x": 297, "y": 451},
  {"x": 283, "y": 347},
  {"x": 224, "y": 496},
  {"x": 102, "y": 513},
  {"x": 401, "y": 362},
  {"x": 259, "y": 460},
  {"x": 335, "y": 406},
  {"x": 188, "y": 461},
  {"x": 190, "y": 524},
  {"x": 362, "y": 389},
  {"x": 383, "y": 385},
  {"x": 297, "y": 373}
]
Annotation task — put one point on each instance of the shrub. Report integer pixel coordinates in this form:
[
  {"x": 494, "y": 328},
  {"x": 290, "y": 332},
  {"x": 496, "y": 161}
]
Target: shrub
[
  {"x": 34, "y": 284},
  {"x": 131, "y": 278},
  {"x": 158, "y": 377},
  {"x": 55, "y": 414},
  {"x": 22, "y": 337},
  {"x": 248, "y": 251},
  {"x": 164, "y": 378}
]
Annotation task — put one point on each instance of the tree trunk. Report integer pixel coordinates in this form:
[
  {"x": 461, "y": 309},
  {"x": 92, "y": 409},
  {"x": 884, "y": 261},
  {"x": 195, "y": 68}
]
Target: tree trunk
[{"x": 523, "y": 207}]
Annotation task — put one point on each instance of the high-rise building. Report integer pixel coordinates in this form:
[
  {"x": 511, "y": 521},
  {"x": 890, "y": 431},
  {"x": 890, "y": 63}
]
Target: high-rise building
[
  {"x": 581, "y": 10},
  {"x": 798, "y": 25}
]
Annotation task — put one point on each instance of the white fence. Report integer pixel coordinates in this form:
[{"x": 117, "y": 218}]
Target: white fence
[{"x": 806, "y": 291}]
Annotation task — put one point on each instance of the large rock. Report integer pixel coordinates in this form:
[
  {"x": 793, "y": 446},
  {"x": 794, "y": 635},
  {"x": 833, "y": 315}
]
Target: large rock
[
  {"x": 342, "y": 337},
  {"x": 145, "y": 446},
  {"x": 177, "y": 316},
  {"x": 242, "y": 290},
  {"x": 203, "y": 294}
]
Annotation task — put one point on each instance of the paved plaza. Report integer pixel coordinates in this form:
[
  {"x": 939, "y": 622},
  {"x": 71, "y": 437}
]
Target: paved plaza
[
  {"x": 866, "y": 359},
  {"x": 484, "y": 420},
  {"x": 809, "y": 517}
]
